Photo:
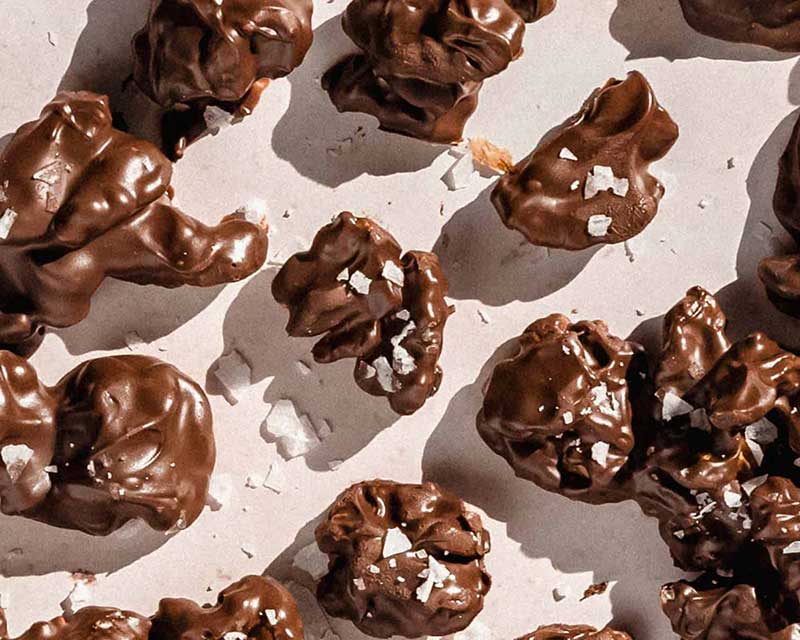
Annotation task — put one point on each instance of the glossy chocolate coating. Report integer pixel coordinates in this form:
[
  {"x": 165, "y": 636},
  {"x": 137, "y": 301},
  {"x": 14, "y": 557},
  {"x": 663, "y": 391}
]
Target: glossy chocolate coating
[
  {"x": 423, "y": 64},
  {"x": 771, "y": 23},
  {"x": 126, "y": 437},
  {"x": 621, "y": 126},
  {"x": 533, "y": 10},
  {"x": 546, "y": 408},
  {"x": 258, "y": 607},
  {"x": 380, "y": 594},
  {"x": 575, "y": 632},
  {"x": 314, "y": 286},
  {"x": 93, "y": 202},
  {"x": 90, "y": 623},
  {"x": 192, "y": 53}
]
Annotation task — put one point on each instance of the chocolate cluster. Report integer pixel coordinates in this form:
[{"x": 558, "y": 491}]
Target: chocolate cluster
[
  {"x": 81, "y": 201},
  {"x": 422, "y": 65},
  {"x": 588, "y": 181},
  {"x": 707, "y": 444},
  {"x": 255, "y": 607},
  {"x": 533, "y": 10},
  {"x": 575, "y": 632},
  {"x": 368, "y": 302},
  {"x": 771, "y": 23},
  {"x": 118, "y": 438},
  {"x": 404, "y": 559}
]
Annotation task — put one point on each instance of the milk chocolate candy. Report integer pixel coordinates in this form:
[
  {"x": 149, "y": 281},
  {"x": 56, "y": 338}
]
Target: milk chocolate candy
[
  {"x": 80, "y": 202},
  {"x": 117, "y": 438},
  {"x": 422, "y": 65},
  {"x": 588, "y": 181},
  {"x": 559, "y": 411},
  {"x": 771, "y": 23},
  {"x": 90, "y": 623},
  {"x": 403, "y": 560},
  {"x": 354, "y": 288},
  {"x": 255, "y": 607},
  {"x": 533, "y": 10},
  {"x": 575, "y": 632}
]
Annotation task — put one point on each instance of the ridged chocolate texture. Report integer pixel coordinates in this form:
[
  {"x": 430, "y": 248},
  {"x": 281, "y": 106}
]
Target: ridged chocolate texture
[
  {"x": 551, "y": 199},
  {"x": 354, "y": 288},
  {"x": 771, "y": 23},
  {"x": 82, "y": 201},
  {"x": 192, "y": 53},
  {"x": 423, "y": 63},
  {"x": 127, "y": 437},
  {"x": 781, "y": 274},
  {"x": 90, "y": 623},
  {"x": 533, "y": 10},
  {"x": 559, "y": 411},
  {"x": 575, "y": 632},
  {"x": 435, "y": 584},
  {"x": 258, "y": 607}
]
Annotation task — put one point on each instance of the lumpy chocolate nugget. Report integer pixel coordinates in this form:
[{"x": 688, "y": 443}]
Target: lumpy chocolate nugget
[
  {"x": 404, "y": 560},
  {"x": 81, "y": 201},
  {"x": 771, "y": 23},
  {"x": 117, "y": 438},
  {"x": 588, "y": 181},
  {"x": 254, "y": 607},
  {"x": 575, "y": 632},
  {"x": 90, "y": 623},
  {"x": 368, "y": 302},
  {"x": 423, "y": 64}
]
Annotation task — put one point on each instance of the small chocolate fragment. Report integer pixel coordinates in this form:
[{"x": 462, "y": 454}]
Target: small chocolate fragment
[
  {"x": 588, "y": 181},
  {"x": 559, "y": 411},
  {"x": 771, "y": 23},
  {"x": 404, "y": 560},
  {"x": 533, "y": 10},
  {"x": 423, "y": 64},
  {"x": 575, "y": 632},
  {"x": 91, "y": 623},
  {"x": 117, "y": 438},
  {"x": 81, "y": 201},
  {"x": 372, "y": 304},
  {"x": 256, "y": 607}
]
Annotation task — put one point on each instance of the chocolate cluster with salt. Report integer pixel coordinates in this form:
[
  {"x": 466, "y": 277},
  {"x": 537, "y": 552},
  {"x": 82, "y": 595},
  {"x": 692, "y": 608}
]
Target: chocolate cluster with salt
[
  {"x": 371, "y": 303},
  {"x": 422, "y": 65},
  {"x": 575, "y": 632},
  {"x": 404, "y": 559},
  {"x": 588, "y": 182},
  {"x": 118, "y": 438},
  {"x": 89, "y": 623},
  {"x": 81, "y": 201}
]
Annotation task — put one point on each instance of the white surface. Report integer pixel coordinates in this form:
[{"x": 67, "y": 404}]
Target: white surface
[{"x": 728, "y": 105}]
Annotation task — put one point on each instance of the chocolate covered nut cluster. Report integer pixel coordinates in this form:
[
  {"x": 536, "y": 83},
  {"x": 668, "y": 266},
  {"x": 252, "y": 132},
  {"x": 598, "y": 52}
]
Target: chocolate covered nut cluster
[
  {"x": 575, "y": 632},
  {"x": 370, "y": 303},
  {"x": 588, "y": 181},
  {"x": 403, "y": 560},
  {"x": 533, "y": 10},
  {"x": 81, "y": 201},
  {"x": 90, "y": 623},
  {"x": 117, "y": 438},
  {"x": 423, "y": 64},
  {"x": 711, "y": 442},
  {"x": 771, "y": 23}
]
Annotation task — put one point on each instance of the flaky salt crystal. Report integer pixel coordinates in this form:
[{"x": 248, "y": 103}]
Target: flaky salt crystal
[
  {"x": 597, "y": 225},
  {"x": 81, "y": 596},
  {"x": 393, "y": 273},
  {"x": 234, "y": 635},
  {"x": 762, "y": 432},
  {"x": 134, "y": 341},
  {"x": 792, "y": 548},
  {"x": 462, "y": 171},
  {"x": 395, "y": 542},
  {"x": 220, "y": 490},
  {"x": 294, "y": 434},
  {"x": 566, "y": 154},
  {"x": 360, "y": 283},
  {"x": 15, "y": 458},
  {"x": 344, "y": 275},
  {"x": 6, "y": 222},
  {"x": 276, "y": 478},
  {"x": 673, "y": 406},
  {"x": 602, "y": 178},
  {"x": 732, "y": 499},
  {"x": 272, "y": 616},
  {"x": 754, "y": 483},
  {"x": 600, "y": 452},
  {"x": 384, "y": 373},
  {"x": 235, "y": 375}
]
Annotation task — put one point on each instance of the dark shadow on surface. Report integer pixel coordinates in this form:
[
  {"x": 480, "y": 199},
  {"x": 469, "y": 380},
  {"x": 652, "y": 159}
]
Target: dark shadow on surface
[
  {"x": 30, "y": 548},
  {"x": 486, "y": 261},
  {"x": 4, "y": 140},
  {"x": 254, "y": 326},
  {"x": 657, "y": 28},
  {"x": 301, "y": 139}
]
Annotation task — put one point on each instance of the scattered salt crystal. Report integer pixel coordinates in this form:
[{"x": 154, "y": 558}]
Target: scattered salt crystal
[
  {"x": 762, "y": 432},
  {"x": 15, "y": 458},
  {"x": 220, "y": 490},
  {"x": 52, "y": 173},
  {"x": 294, "y": 433},
  {"x": 748, "y": 486},
  {"x": 6, "y": 222},
  {"x": 384, "y": 373},
  {"x": 601, "y": 179},
  {"x": 234, "y": 635},
  {"x": 373, "y": 568},
  {"x": 234, "y": 374},
  {"x": 360, "y": 283},
  {"x": 462, "y": 171},
  {"x": 568, "y": 417},
  {"x": 434, "y": 575},
  {"x": 344, "y": 275},
  {"x": 575, "y": 185},
  {"x": 272, "y": 616},
  {"x": 403, "y": 314},
  {"x": 393, "y": 273},
  {"x": 134, "y": 341},
  {"x": 791, "y": 548},
  {"x": 673, "y": 406},
  {"x": 756, "y": 450},
  {"x": 566, "y": 154},
  {"x": 51, "y": 468},
  {"x": 395, "y": 542},
  {"x": 597, "y": 225},
  {"x": 216, "y": 119},
  {"x": 561, "y": 593},
  {"x": 732, "y": 499},
  {"x": 359, "y": 583},
  {"x": 276, "y": 478},
  {"x": 311, "y": 560},
  {"x": 254, "y": 481},
  {"x": 680, "y": 534},
  {"x": 81, "y": 596},
  {"x": 248, "y": 549},
  {"x": 600, "y": 452}
]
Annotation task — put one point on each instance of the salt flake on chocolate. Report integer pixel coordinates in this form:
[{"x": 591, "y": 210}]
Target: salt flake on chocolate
[
  {"x": 360, "y": 283},
  {"x": 754, "y": 483},
  {"x": 462, "y": 172},
  {"x": 393, "y": 273},
  {"x": 235, "y": 375},
  {"x": 601, "y": 179},
  {"x": 597, "y": 226},
  {"x": 395, "y": 542},
  {"x": 566, "y": 154},
  {"x": 220, "y": 490},
  {"x": 673, "y": 406},
  {"x": 763, "y": 432},
  {"x": 792, "y": 548},
  {"x": 294, "y": 433},
  {"x": 384, "y": 373},
  {"x": 434, "y": 575},
  {"x": 15, "y": 458},
  {"x": 600, "y": 453},
  {"x": 7, "y": 222}
]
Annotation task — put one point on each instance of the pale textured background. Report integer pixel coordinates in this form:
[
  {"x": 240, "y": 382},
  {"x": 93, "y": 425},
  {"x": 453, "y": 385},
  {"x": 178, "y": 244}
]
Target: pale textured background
[{"x": 730, "y": 101}]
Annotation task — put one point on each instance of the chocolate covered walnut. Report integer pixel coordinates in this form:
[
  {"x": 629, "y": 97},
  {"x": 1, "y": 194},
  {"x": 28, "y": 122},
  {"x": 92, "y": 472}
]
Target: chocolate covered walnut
[
  {"x": 588, "y": 181},
  {"x": 81, "y": 201},
  {"x": 89, "y": 623},
  {"x": 403, "y": 560},
  {"x": 354, "y": 288},
  {"x": 575, "y": 632}
]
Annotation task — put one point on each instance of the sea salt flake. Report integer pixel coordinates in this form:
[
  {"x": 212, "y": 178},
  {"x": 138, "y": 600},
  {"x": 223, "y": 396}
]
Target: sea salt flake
[
  {"x": 566, "y": 154},
  {"x": 393, "y": 273},
  {"x": 52, "y": 173},
  {"x": 756, "y": 450},
  {"x": 748, "y": 486},
  {"x": 344, "y": 275},
  {"x": 600, "y": 453},
  {"x": 403, "y": 314},
  {"x": 732, "y": 499},
  {"x": 234, "y": 374},
  {"x": 294, "y": 434},
  {"x": 79, "y": 597},
  {"x": 275, "y": 479},
  {"x": 311, "y": 560},
  {"x": 762, "y": 432},
  {"x": 435, "y": 575},
  {"x": 698, "y": 419},
  {"x": 575, "y": 185},
  {"x": 360, "y": 283},
  {"x": 15, "y": 458},
  {"x": 134, "y": 341},
  {"x": 360, "y": 584},
  {"x": 384, "y": 373},
  {"x": 395, "y": 542},
  {"x": 220, "y": 490},
  {"x": 792, "y": 548},
  {"x": 673, "y": 406},
  {"x": 568, "y": 417},
  {"x": 254, "y": 481},
  {"x": 272, "y": 616},
  {"x": 597, "y": 225},
  {"x": 602, "y": 178},
  {"x": 7, "y": 222},
  {"x": 234, "y": 635},
  {"x": 462, "y": 171}
]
